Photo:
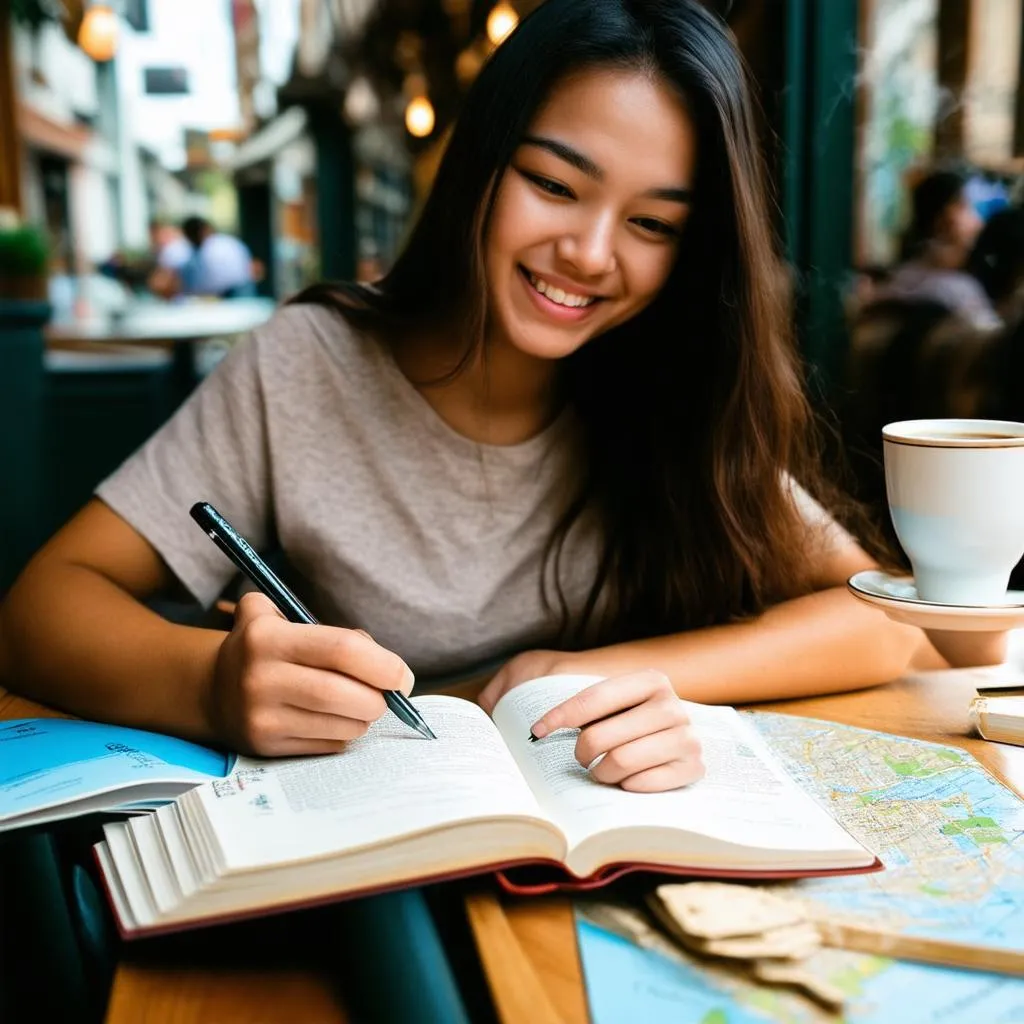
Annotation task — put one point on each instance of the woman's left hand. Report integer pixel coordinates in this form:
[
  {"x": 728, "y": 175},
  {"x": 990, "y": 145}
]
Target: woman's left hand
[
  {"x": 635, "y": 721},
  {"x": 521, "y": 669}
]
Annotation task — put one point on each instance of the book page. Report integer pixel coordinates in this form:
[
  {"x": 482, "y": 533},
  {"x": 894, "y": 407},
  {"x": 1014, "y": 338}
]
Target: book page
[
  {"x": 389, "y": 783},
  {"x": 745, "y": 796}
]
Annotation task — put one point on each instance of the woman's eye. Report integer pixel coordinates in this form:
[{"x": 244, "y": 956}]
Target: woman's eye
[
  {"x": 657, "y": 227},
  {"x": 547, "y": 185}
]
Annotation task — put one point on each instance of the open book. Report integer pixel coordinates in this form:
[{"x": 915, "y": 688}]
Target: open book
[{"x": 396, "y": 810}]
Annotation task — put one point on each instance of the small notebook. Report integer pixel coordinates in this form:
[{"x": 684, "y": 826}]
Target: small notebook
[
  {"x": 56, "y": 768},
  {"x": 396, "y": 810},
  {"x": 999, "y": 718}
]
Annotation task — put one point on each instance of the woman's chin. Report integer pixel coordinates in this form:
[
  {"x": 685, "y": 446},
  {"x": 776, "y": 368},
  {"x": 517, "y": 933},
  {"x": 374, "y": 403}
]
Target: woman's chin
[{"x": 544, "y": 342}]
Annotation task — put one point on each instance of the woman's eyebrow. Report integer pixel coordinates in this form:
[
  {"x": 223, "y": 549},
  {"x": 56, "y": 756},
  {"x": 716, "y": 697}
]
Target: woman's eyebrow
[
  {"x": 672, "y": 195},
  {"x": 572, "y": 156},
  {"x": 586, "y": 166}
]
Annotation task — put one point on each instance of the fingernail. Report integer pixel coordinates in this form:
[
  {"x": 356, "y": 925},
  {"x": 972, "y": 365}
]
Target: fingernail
[
  {"x": 539, "y": 731},
  {"x": 408, "y": 680}
]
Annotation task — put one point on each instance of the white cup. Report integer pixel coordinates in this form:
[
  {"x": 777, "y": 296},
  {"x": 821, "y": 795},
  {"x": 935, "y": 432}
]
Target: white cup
[{"x": 956, "y": 496}]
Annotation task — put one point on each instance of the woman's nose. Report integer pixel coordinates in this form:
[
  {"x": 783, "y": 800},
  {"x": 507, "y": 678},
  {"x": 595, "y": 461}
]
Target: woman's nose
[{"x": 590, "y": 248}]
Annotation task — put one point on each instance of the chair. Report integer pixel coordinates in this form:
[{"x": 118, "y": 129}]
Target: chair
[{"x": 99, "y": 406}]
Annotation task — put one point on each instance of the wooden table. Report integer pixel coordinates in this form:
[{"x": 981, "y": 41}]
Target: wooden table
[{"x": 527, "y": 947}]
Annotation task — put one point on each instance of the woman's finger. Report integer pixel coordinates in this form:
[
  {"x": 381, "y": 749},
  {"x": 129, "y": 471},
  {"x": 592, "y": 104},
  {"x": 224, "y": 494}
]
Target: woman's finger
[
  {"x": 291, "y": 746},
  {"x": 279, "y": 731},
  {"x": 602, "y": 699},
  {"x": 673, "y": 775},
  {"x": 330, "y": 693},
  {"x": 646, "y": 752},
  {"x": 650, "y": 717},
  {"x": 348, "y": 651}
]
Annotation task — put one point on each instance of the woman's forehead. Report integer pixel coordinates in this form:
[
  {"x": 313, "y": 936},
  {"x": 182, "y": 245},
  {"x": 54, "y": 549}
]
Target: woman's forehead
[{"x": 622, "y": 120}]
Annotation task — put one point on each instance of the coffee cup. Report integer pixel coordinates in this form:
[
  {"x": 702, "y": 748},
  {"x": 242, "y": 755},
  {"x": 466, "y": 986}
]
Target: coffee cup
[{"x": 956, "y": 497}]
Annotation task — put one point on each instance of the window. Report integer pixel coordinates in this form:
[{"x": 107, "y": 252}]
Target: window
[
  {"x": 136, "y": 13},
  {"x": 165, "y": 81}
]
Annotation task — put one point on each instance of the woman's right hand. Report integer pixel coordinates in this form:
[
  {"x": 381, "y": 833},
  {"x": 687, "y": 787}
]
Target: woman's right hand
[{"x": 281, "y": 688}]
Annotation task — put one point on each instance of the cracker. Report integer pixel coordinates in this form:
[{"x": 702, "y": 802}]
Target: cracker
[
  {"x": 779, "y": 972},
  {"x": 791, "y": 941},
  {"x": 720, "y": 910}
]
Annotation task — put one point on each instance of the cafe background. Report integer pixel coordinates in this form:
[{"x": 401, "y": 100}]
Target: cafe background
[{"x": 310, "y": 130}]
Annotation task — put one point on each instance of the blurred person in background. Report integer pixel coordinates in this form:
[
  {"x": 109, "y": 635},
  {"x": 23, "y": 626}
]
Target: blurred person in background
[
  {"x": 219, "y": 265},
  {"x": 943, "y": 228},
  {"x": 171, "y": 250},
  {"x": 997, "y": 262}
]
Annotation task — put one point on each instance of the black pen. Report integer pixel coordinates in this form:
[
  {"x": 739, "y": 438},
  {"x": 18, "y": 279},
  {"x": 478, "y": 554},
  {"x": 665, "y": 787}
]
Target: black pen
[{"x": 238, "y": 549}]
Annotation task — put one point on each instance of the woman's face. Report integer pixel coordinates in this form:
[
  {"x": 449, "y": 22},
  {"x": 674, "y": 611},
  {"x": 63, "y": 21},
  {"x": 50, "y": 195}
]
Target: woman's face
[
  {"x": 960, "y": 224},
  {"x": 588, "y": 217}
]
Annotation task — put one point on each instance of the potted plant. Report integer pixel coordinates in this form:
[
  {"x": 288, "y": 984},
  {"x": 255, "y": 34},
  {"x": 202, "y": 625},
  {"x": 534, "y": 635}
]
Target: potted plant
[
  {"x": 24, "y": 257},
  {"x": 24, "y": 311}
]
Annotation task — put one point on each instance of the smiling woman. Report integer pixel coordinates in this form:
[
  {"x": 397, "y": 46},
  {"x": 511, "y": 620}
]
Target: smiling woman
[{"x": 566, "y": 433}]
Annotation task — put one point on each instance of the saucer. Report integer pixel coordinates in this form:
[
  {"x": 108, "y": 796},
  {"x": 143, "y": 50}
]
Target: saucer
[{"x": 897, "y": 597}]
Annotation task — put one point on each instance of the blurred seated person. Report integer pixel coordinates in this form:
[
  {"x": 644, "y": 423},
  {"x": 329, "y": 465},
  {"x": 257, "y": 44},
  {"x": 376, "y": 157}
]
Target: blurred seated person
[
  {"x": 997, "y": 261},
  {"x": 171, "y": 251},
  {"x": 943, "y": 229},
  {"x": 220, "y": 266}
]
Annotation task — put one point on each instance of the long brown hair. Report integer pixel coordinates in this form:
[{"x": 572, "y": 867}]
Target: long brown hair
[{"x": 692, "y": 414}]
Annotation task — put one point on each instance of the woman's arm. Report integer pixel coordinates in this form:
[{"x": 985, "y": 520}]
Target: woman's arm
[
  {"x": 824, "y": 642},
  {"x": 74, "y": 633}
]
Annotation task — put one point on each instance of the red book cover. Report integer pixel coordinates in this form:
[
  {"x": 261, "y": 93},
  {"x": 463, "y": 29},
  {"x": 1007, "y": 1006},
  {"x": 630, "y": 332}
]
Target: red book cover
[{"x": 532, "y": 878}]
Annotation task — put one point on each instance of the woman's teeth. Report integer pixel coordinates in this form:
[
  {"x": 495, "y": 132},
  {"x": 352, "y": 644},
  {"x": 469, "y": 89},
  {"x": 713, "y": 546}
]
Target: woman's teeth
[{"x": 557, "y": 295}]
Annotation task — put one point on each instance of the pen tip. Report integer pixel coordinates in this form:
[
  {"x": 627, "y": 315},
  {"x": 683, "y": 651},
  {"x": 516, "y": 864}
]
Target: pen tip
[
  {"x": 533, "y": 739},
  {"x": 428, "y": 732}
]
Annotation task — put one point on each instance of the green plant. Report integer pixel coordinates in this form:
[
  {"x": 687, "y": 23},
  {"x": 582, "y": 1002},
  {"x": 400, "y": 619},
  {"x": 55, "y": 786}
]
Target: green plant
[
  {"x": 24, "y": 259},
  {"x": 23, "y": 252}
]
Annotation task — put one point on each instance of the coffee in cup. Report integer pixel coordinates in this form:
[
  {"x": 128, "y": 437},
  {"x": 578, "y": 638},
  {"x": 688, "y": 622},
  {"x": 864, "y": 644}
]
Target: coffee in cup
[{"x": 956, "y": 497}]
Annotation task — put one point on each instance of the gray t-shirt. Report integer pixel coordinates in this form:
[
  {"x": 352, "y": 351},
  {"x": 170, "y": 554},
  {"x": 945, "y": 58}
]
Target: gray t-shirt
[{"x": 309, "y": 439}]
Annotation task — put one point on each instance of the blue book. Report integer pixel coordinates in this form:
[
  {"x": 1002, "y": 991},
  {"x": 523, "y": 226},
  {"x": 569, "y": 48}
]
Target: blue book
[{"x": 56, "y": 768}]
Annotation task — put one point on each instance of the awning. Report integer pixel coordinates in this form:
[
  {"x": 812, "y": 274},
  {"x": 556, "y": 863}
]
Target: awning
[{"x": 270, "y": 139}]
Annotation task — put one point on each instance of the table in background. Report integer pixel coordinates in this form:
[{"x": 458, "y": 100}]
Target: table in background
[
  {"x": 179, "y": 325},
  {"x": 527, "y": 946}
]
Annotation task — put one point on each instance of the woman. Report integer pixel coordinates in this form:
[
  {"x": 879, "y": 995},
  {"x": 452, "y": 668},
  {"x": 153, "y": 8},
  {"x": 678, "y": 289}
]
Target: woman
[
  {"x": 562, "y": 432},
  {"x": 997, "y": 262},
  {"x": 943, "y": 228}
]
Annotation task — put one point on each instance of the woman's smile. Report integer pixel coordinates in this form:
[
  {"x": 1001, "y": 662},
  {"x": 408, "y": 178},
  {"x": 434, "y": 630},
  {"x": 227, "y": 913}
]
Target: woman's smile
[{"x": 559, "y": 300}]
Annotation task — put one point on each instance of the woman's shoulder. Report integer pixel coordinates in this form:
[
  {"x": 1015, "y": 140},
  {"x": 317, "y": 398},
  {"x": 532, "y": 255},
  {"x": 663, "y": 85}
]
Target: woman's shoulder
[
  {"x": 305, "y": 336},
  {"x": 305, "y": 325}
]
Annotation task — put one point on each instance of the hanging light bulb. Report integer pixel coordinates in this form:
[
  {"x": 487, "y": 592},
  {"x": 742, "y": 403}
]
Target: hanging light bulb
[
  {"x": 98, "y": 34},
  {"x": 501, "y": 21},
  {"x": 419, "y": 117}
]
